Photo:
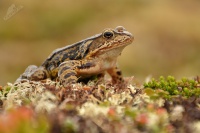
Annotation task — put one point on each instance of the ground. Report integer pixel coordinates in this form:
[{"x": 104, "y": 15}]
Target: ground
[{"x": 46, "y": 106}]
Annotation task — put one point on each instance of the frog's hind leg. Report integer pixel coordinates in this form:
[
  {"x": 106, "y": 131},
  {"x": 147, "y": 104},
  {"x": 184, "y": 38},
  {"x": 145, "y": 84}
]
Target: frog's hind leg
[
  {"x": 67, "y": 72},
  {"x": 38, "y": 74},
  {"x": 27, "y": 71},
  {"x": 34, "y": 73}
]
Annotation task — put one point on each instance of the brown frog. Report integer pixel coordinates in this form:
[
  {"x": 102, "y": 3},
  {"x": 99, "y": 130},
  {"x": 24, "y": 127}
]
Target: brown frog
[{"x": 90, "y": 57}]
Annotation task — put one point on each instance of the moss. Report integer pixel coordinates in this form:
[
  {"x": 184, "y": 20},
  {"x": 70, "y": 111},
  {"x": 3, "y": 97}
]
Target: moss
[{"x": 184, "y": 87}]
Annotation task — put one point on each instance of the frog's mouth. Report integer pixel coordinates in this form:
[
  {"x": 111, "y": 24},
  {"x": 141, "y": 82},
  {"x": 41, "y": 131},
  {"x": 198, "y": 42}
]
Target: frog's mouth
[
  {"x": 113, "y": 47},
  {"x": 111, "y": 51}
]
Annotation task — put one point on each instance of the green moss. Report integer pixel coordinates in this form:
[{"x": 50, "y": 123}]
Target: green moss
[
  {"x": 5, "y": 91},
  {"x": 184, "y": 87}
]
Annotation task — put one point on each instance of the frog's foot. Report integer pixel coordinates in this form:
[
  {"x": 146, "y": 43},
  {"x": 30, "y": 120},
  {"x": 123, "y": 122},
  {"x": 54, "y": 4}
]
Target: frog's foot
[
  {"x": 27, "y": 71},
  {"x": 33, "y": 72},
  {"x": 38, "y": 74}
]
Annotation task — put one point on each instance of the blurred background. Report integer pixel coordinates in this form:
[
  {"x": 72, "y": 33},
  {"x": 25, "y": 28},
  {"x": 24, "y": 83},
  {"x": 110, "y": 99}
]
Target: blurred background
[{"x": 167, "y": 33}]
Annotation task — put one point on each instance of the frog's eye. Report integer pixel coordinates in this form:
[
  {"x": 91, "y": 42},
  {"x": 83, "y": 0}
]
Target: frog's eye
[{"x": 108, "y": 34}]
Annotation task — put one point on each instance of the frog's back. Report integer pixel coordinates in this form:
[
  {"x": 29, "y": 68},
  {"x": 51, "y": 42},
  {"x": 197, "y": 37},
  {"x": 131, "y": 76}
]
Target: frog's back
[
  {"x": 75, "y": 51},
  {"x": 60, "y": 55}
]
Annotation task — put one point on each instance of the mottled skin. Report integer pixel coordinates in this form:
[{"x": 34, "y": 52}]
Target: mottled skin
[{"x": 89, "y": 57}]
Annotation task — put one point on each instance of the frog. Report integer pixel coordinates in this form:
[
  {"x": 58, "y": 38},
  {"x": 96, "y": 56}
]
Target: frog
[{"x": 90, "y": 57}]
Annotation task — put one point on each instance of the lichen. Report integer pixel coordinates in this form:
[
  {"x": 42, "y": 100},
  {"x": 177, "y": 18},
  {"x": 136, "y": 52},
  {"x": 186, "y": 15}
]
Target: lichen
[{"x": 158, "y": 106}]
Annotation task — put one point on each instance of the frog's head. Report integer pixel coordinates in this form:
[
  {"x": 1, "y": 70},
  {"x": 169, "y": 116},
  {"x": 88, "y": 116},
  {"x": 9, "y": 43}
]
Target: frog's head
[{"x": 113, "y": 40}]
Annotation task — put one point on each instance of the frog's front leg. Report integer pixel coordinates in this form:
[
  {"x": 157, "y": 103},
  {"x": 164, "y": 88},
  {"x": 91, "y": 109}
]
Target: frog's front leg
[{"x": 116, "y": 75}]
